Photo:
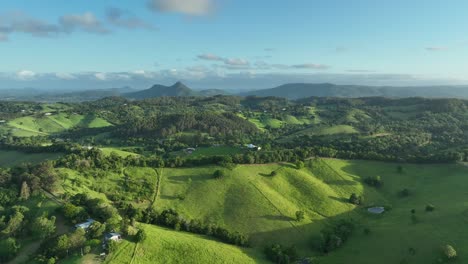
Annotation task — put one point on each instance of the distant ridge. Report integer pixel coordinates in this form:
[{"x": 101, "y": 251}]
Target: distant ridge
[
  {"x": 177, "y": 89},
  {"x": 303, "y": 90}
]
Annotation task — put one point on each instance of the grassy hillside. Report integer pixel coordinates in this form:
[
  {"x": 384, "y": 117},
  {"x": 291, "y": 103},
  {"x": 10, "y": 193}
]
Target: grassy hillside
[
  {"x": 166, "y": 246},
  {"x": 247, "y": 199},
  {"x": 45, "y": 125}
]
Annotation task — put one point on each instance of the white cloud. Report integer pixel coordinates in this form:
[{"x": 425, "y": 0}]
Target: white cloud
[
  {"x": 101, "y": 76},
  {"x": 188, "y": 7},
  {"x": 236, "y": 62},
  {"x": 25, "y": 75},
  {"x": 65, "y": 76},
  {"x": 87, "y": 22}
]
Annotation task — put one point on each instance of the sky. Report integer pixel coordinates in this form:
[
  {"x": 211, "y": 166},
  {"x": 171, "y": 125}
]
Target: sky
[{"x": 231, "y": 44}]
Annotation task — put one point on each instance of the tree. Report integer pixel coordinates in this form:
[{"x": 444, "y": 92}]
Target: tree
[
  {"x": 14, "y": 224},
  {"x": 43, "y": 227},
  {"x": 141, "y": 235},
  {"x": 449, "y": 252},
  {"x": 25, "y": 191},
  {"x": 299, "y": 164},
  {"x": 355, "y": 199},
  {"x": 8, "y": 249},
  {"x": 218, "y": 174},
  {"x": 400, "y": 169},
  {"x": 96, "y": 230},
  {"x": 299, "y": 216}
]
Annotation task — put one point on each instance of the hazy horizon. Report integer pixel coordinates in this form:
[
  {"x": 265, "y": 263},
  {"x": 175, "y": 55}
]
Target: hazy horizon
[{"x": 221, "y": 44}]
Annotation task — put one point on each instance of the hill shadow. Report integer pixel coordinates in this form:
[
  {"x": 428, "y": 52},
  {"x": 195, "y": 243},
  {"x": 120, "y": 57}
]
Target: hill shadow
[
  {"x": 341, "y": 182},
  {"x": 278, "y": 218},
  {"x": 339, "y": 199}
]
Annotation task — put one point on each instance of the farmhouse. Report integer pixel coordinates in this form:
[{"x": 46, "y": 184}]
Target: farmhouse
[
  {"x": 85, "y": 225},
  {"x": 2, "y": 121},
  {"x": 112, "y": 236},
  {"x": 48, "y": 114},
  {"x": 253, "y": 147},
  {"x": 190, "y": 150}
]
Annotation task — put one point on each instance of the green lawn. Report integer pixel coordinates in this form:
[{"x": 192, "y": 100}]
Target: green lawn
[{"x": 167, "y": 246}]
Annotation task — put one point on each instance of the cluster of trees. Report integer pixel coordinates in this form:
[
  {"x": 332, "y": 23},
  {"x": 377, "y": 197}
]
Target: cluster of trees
[
  {"x": 171, "y": 218},
  {"x": 334, "y": 236},
  {"x": 375, "y": 181},
  {"x": 81, "y": 207},
  {"x": 21, "y": 222},
  {"x": 281, "y": 254}
]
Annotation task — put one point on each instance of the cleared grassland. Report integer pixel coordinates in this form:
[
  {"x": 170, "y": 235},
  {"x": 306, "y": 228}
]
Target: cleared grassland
[{"x": 167, "y": 246}]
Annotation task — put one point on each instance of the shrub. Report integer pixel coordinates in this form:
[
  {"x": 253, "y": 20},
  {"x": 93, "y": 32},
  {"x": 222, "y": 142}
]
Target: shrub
[
  {"x": 430, "y": 208},
  {"x": 299, "y": 216},
  {"x": 218, "y": 174},
  {"x": 299, "y": 165},
  {"x": 355, "y": 199},
  {"x": 404, "y": 193},
  {"x": 367, "y": 231},
  {"x": 449, "y": 252},
  {"x": 141, "y": 235}
]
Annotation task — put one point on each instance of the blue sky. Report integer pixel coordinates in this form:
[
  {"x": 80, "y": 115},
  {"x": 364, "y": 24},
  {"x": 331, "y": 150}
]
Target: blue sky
[{"x": 231, "y": 44}]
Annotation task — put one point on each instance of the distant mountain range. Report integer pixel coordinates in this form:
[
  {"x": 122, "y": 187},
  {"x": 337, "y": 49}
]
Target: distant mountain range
[
  {"x": 291, "y": 91},
  {"x": 178, "y": 89},
  {"x": 303, "y": 90}
]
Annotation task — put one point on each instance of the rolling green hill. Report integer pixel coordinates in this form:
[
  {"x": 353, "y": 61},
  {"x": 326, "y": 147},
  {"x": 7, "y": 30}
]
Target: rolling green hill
[
  {"x": 41, "y": 125},
  {"x": 166, "y": 246}
]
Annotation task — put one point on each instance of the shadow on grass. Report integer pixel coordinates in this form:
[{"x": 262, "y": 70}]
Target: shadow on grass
[
  {"x": 186, "y": 178},
  {"x": 339, "y": 199},
  {"x": 278, "y": 218}
]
